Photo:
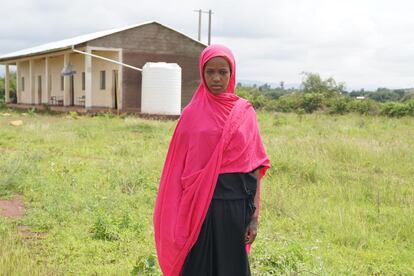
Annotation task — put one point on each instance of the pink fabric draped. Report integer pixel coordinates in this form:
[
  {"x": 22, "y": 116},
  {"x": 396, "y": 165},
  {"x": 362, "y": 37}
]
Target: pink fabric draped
[{"x": 215, "y": 134}]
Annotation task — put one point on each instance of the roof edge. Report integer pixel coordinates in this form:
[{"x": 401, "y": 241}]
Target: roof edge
[
  {"x": 16, "y": 58},
  {"x": 8, "y": 58},
  {"x": 172, "y": 29}
]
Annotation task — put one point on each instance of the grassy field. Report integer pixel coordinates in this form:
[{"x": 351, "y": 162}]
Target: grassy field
[{"x": 339, "y": 198}]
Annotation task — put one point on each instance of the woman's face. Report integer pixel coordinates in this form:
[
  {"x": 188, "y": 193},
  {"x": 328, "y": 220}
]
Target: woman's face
[{"x": 217, "y": 75}]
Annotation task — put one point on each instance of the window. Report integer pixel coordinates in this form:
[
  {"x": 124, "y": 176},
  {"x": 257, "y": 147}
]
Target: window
[
  {"x": 62, "y": 83},
  {"x": 103, "y": 80},
  {"x": 22, "y": 83},
  {"x": 83, "y": 81}
]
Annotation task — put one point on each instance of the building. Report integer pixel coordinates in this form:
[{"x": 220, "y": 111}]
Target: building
[{"x": 96, "y": 83}]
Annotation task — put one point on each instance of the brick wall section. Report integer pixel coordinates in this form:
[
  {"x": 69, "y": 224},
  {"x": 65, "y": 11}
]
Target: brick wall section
[{"x": 153, "y": 43}]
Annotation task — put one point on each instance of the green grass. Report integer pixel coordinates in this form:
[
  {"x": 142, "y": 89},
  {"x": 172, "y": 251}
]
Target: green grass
[{"x": 338, "y": 199}]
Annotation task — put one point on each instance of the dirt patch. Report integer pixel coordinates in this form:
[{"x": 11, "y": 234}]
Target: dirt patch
[
  {"x": 7, "y": 150},
  {"x": 12, "y": 208},
  {"x": 27, "y": 233}
]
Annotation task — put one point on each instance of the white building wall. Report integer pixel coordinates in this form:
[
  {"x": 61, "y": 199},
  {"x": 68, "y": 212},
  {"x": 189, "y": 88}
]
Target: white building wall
[
  {"x": 24, "y": 73},
  {"x": 39, "y": 70},
  {"x": 78, "y": 63},
  {"x": 103, "y": 98},
  {"x": 55, "y": 69}
]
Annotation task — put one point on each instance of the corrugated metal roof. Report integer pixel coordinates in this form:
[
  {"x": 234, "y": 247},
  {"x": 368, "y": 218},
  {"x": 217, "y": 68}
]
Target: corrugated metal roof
[{"x": 68, "y": 43}]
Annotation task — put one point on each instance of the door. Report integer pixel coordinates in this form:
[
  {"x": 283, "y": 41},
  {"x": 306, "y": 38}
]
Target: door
[
  {"x": 115, "y": 89},
  {"x": 39, "y": 89},
  {"x": 72, "y": 90}
]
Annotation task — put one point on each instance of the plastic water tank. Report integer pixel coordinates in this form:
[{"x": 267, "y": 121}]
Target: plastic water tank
[{"x": 161, "y": 88}]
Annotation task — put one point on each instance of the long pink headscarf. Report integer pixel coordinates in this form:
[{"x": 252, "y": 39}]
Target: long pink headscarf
[{"x": 215, "y": 134}]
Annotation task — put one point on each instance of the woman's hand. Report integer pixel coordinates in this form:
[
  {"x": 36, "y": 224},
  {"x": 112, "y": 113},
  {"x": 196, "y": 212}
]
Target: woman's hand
[{"x": 251, "y": 232}]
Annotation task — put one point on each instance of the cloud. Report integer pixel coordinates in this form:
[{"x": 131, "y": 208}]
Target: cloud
[{"x": 363, "y": 43}]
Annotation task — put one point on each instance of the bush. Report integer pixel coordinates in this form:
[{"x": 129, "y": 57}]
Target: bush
[
  {"x": 288, "y": 103},
  {"x": 271, "y": 105},
  {"x": 258, "y": 102},
  {"x": 291, "y": 103},
  {"x": 338, "y": 105},
  {"x": 410, "y": 105},
  {"x": 311, "y": 102},
  {"x": 364, "y": 107},
  {"x": 253, "y": 96},
  {"x": 105, "y": 228},
  {"x": 394, "y": 109},
  {"x": 145, "y": 266}
]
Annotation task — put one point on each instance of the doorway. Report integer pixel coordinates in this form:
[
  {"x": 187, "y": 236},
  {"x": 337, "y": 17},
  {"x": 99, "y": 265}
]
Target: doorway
[
  {"x": 72, "y": 90},
  {"x": 115, "y": 88},
  {"x": 39, "y": 89}
]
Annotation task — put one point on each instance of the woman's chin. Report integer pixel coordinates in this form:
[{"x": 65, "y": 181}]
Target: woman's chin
[{"x": 217, "y": 91}]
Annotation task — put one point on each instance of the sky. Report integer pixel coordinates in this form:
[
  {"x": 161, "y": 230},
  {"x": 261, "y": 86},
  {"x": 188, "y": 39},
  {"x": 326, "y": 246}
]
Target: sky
[{"x": 362, "y": 43}]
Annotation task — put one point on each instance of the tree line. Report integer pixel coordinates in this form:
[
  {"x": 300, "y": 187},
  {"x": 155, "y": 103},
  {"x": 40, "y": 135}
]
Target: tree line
[{"x": 328, "y": 96}]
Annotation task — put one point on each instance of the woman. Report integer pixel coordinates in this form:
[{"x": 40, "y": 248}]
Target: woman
[{"x": 205, "y": 209}]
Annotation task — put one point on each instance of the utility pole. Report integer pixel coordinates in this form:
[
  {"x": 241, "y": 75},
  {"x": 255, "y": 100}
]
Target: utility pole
[
  {"x": 209, "y": 24},
  {"x": 199, "y": 24},
  {"x": 209, "y": 27}
]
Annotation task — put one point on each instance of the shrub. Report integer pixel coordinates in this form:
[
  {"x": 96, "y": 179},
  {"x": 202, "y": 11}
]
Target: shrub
[
  {"x": 271, "y": 105},
  {"x": 254, "y": 96},
  {"x": 311, "y": 102},
  {"x": 364, "y": 107},
  {"x": 145, "y": 266},
  {"x": 338, "y": 105},
  {"x": 258, "y": 102},
  {"x": 394, "y": 109},
  {"x": 410, "y": 105},
  {"x": 289, "y": 103},
  {"x": 105, "y": 228}
]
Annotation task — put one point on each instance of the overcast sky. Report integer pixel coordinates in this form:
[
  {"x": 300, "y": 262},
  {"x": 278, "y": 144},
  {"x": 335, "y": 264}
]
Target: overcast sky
[{"x": 364, "y": 43}]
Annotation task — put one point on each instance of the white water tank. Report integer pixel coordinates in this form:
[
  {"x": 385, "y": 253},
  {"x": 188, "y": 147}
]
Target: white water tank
[{"x": 161, "y": 88}]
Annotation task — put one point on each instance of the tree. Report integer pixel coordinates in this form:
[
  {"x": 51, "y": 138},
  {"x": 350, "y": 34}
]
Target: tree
[
  {"x": 313, "y": 83},
  {"x": 264, "y": 87}
]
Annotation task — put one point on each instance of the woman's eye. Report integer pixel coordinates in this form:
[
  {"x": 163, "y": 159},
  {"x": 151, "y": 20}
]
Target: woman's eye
[{"x": 223, "y": 72}]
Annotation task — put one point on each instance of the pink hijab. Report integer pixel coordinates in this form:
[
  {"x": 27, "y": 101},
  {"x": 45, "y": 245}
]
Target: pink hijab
[{"x": 215, "y": 134}]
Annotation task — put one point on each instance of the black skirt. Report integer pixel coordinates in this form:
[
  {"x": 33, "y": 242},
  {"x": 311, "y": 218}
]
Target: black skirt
[{"x": 220, "y": 248}]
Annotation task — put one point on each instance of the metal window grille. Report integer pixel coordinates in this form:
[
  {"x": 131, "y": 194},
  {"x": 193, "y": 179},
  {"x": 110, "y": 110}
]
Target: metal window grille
[
  {"x": 103, "y": 80},
  {"x": 83, "y": 81}
]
